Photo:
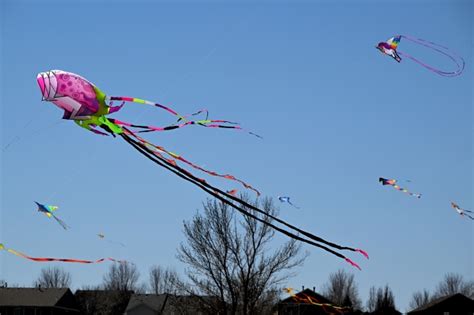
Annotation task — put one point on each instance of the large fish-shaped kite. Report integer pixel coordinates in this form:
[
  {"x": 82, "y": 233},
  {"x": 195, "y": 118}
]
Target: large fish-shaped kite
[
  {"x": 89, "y": 107},
  {"x": 48, "y": 211},
  {"x": 393, "y": 183},
  {"x": 389, "y": 48}
]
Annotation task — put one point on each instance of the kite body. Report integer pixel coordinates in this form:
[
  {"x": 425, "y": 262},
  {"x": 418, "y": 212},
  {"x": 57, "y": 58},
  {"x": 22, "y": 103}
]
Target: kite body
[
  {"x": 79, "y": 98},
  {"x": 48, "y": 211},
  {"x": 385, "y": 181},
  {"x": 389, "y": 48}
]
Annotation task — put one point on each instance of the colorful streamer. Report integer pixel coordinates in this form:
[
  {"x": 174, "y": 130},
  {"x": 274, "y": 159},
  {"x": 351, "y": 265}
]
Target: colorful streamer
[{"x": 67, "y": 260}]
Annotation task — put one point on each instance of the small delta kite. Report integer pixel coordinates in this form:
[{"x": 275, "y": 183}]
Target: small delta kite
[
  {"x": 89, "y": 107},
  {"x": 287, "y": 200},
  {"x": 48, "y": 211},
  {"x": 390, "y": 48}
]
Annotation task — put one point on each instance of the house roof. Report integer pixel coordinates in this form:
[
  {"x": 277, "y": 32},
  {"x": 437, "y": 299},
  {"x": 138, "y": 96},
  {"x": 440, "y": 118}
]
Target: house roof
[
  {"x": 154, "y": 301},
  {"x": 440, "y": 300},
  {"x": 102, "y": 294},
  {"x": 41, "y": 297},
  {"x": 102, "y": 301}
]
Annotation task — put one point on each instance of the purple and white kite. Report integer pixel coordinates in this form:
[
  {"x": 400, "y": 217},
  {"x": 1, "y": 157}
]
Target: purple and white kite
[{"x": 389, "y": 48}]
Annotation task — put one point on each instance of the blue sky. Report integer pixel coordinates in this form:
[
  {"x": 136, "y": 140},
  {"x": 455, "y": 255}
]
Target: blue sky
[{"x": 334, "y": 113}]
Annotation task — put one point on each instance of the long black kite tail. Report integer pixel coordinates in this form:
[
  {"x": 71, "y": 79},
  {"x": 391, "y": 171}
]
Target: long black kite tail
[
  {"x": 224, "y": 197},
  {"x": 236, "y": 199}
]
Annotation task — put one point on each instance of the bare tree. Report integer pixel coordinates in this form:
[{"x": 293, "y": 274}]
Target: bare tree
[
  {"x": 230, "y": 261},
  {"x": 419, "y": 299},
  {"x": 53, "y": 277},
  {"x": 454, "y": 283},
  {"x": 372, "y": 301},
  {"x": 164, "y": 280},
  {"x": 342, "y": 289},
  {"x": 381, "y": 300},
  {"x": 122, "y": 277}
]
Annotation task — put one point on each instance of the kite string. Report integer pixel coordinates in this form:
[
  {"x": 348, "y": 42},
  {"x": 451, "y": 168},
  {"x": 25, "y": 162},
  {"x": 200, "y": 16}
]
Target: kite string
[
  {"x": 434, "y": 46},
  {"x": 34, "y": 133}
]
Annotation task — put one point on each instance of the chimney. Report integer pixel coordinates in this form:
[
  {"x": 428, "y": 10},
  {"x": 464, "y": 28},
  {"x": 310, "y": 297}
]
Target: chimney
[{"x": 314, "y": 289}]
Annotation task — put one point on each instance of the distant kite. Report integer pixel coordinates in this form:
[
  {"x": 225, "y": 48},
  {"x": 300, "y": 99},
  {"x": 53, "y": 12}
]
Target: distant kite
[
  {"x": 48, "y": 211},
  {"x": 389, "y": 48},
  {"x": 393, "y": 183},
  {"x": 232, "y": 192},
  {"x": 102, "y": 236},
  {"x": 67, "y": 260},
  {"x": 89, "y": 107},
  {"x": 462, "y": 212},
  {"x": 287, "y": 200}
]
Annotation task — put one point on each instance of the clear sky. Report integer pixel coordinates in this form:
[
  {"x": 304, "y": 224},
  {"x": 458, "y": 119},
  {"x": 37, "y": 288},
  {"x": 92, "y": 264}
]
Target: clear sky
[{"x": 335, "y": 115}]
